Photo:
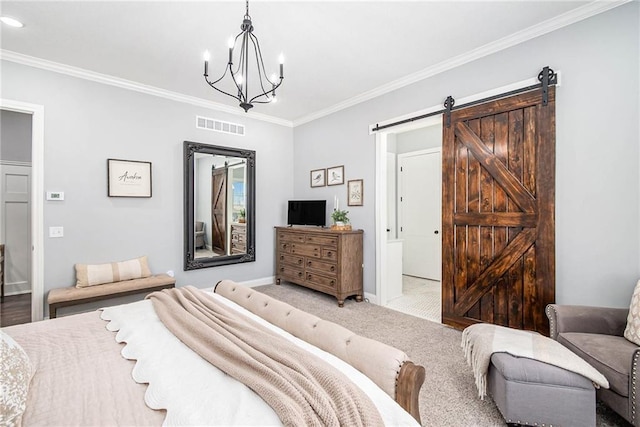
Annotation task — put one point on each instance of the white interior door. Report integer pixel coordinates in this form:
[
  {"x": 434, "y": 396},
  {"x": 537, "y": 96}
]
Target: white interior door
[
  {"x": 15, "y": 226},
  {"x": 420, "y": 213}
]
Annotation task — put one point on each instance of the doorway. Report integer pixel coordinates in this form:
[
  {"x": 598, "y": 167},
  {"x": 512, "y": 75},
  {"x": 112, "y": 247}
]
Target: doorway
[
  {"x": 15, "y": 216},
  {"x": 36, "y": 209},
  {"x": 413, "y": 210}
]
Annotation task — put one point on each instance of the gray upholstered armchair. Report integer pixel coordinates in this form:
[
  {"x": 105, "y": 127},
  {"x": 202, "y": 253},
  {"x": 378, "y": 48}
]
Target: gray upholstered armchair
[
  {"x": 596, "y": 335},
  {"x": 199, "y": 238}
]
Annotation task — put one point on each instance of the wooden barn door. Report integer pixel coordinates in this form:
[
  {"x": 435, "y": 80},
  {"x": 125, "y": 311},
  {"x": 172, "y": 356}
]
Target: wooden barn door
[
  {"x": 219, "y": 210},
  {"x": 498, "y": 244}
]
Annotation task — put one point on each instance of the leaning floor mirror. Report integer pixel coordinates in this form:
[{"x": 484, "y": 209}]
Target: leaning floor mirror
[{"x": 219, "y": 205}]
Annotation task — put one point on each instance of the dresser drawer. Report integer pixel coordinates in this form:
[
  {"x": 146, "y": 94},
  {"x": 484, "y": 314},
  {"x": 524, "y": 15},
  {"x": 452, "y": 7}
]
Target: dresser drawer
[
  {"x": 323, "y": 240},
  {"x": 290, "y": 272},
  {"x": 318, "y": 279},
  {"x": 291, "y": 259},
  {"x": 291, "y": 237},
  {"x": 328, "y": 253},
  {"x": 285, "y": 247},
  {"x": 306, "y": 250},
  {"x": 328, "y": 268}
]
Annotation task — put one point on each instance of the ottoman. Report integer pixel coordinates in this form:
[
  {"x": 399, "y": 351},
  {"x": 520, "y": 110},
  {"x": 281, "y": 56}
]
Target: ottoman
[{"x": 534, "y": 393}]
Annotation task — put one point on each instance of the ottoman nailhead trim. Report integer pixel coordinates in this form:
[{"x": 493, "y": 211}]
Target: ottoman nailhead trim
[{"x": 634, "y": 374}]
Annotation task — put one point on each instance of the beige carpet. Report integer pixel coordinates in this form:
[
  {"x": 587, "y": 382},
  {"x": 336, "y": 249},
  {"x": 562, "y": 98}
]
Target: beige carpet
[{"x": 449, "y": 396}]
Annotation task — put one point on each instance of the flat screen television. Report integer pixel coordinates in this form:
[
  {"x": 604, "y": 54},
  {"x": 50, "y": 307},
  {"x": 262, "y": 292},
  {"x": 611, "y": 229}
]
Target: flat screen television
[{"x": 307, "y": 212}]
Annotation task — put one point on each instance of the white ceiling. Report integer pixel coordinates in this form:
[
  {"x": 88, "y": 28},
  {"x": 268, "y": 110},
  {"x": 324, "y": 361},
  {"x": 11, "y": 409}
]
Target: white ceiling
[{"x": 336, "y": 52}]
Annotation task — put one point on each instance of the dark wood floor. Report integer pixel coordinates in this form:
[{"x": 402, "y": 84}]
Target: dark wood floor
[{"x": 15, "y": 309}]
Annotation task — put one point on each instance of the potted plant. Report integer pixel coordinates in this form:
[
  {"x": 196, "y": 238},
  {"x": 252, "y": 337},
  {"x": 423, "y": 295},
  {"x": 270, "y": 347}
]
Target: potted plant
[
  {"x": 340, "y": 220},
  {"x": 242, "y": 216}
]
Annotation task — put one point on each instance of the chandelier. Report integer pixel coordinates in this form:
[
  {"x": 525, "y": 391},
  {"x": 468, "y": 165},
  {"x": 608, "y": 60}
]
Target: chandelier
[{"x": 240, "y": 70}]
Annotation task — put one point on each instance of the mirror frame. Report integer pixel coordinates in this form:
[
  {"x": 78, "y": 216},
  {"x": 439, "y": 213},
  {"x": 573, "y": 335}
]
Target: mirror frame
[{"x": 190, "y": 148}]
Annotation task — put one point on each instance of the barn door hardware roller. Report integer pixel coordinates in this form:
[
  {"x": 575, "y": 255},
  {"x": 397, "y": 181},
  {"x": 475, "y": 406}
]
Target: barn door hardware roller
[{"x": 547, "y": 77}]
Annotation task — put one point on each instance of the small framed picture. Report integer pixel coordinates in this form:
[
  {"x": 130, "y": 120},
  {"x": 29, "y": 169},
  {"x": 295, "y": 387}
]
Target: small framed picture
[
  {"x": 335, "y": 175},
  {"x": 355, "y": 192},
  {"x": 318, "y": 178},
  {"x": 128, "y": 178}
]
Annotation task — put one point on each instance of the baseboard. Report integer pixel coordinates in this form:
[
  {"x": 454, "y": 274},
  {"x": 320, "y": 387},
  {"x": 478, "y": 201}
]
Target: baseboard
[
  {"x": 259, "y": 282},
  {"x": 251, "y": 283},
  {"x": 17, "y": 288},
  {"x": 372, "y": 298}
]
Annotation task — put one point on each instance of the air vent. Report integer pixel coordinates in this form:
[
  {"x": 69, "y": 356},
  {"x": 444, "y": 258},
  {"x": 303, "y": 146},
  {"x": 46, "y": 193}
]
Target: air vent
[{"x": 214, "y": 125}]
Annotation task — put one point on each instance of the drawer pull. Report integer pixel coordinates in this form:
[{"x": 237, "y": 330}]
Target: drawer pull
[
  {"x": 281, "y": 257},
  {"x": 309, "y": 277},
  {"x": 333, "y": 268},
  {"x": 299, "y": 273},
  {"x": 308, "y": 263},
  {"x": 300, "y": 261},
  {"x": 333, "y": 283},
  {"x": 329, "y": 253},
  {"x": 281, "y": 269}
]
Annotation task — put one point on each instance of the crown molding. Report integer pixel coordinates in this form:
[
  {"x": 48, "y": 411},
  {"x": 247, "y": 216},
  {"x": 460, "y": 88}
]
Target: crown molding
[
  {"x": 82, "y": 73},
  {"x": 576, "y": 15}
]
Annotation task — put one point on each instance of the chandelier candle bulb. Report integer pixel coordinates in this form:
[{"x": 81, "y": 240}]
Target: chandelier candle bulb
[
  {"x": 207, "y": 56},
  {"x": 281, "y": 60}
]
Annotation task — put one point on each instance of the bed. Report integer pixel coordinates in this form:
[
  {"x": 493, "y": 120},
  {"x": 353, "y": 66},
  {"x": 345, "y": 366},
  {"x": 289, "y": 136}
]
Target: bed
[{"x": 122, "y": 366}]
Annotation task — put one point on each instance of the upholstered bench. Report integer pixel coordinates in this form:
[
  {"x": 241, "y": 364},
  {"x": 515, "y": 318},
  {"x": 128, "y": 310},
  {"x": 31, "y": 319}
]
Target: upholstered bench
[
  {"x": 535, "y": 393},
  {"x": 65, "y": 297}
]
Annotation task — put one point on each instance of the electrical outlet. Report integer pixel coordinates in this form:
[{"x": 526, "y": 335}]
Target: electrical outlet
[{"x": 56, "y": 231}]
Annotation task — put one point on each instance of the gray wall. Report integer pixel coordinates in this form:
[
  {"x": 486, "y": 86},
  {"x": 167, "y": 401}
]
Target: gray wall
[
  {"x": 419, "y": 139},
  {"x": 15, "y": 136},
  {"x": 86, "y": 123},
  {"x": 597, "y": 179}
]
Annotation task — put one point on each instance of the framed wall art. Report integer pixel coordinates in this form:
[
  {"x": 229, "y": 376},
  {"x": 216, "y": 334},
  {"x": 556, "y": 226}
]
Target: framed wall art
[
  {"x": 128, "y": 178},
  {"x": 318, "y": 178},
  {"x": 335, "y": 175},
  {"x": 355, "y": 192}
]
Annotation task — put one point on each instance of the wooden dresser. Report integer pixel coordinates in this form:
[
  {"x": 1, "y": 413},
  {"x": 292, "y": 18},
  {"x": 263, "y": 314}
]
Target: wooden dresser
[
  {"x": 328, "y": 261},
  {"x": 238, "y": 238}
]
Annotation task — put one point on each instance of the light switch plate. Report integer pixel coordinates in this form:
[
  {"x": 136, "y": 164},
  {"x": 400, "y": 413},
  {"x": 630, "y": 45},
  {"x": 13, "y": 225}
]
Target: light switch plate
[
  {"x": 55, "y": 195},
  {"x": 56, "y": 231}
]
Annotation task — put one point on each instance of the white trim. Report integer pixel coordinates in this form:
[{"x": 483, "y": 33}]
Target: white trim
[
  {"x": 14, "y": 163},
  {"x": 576, "y": 15},
  {"x": 251, "y": 283},
  {"x": 373, "y": 299},
  {"x": 37, "y": 203},
  {"x": 259, "y": 282},
  {"x": 81, "y": 73},
  {"x": 381, "y": 216},
  {"x": 17, "y": 288}
]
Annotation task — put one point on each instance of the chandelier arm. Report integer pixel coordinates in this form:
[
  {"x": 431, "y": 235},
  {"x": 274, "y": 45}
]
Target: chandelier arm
[
  {"x": 228, "y": 67},
  {"x": 265, "y": 93},
  {"x": 222, "y": 91},
  {"x": 260, "y": 64},
  {"x": 221, "y": 77}
]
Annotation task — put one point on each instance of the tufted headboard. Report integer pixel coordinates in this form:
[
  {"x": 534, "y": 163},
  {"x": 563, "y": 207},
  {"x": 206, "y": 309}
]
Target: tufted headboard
[{"x": 380, "y": 362}]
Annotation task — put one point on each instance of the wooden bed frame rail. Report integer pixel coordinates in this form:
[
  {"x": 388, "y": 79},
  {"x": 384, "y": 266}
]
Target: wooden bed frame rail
[{"x": 410, "y": 380}]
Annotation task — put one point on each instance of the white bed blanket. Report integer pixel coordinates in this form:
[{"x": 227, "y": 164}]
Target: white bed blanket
[{"x": 193, "y": 392}]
